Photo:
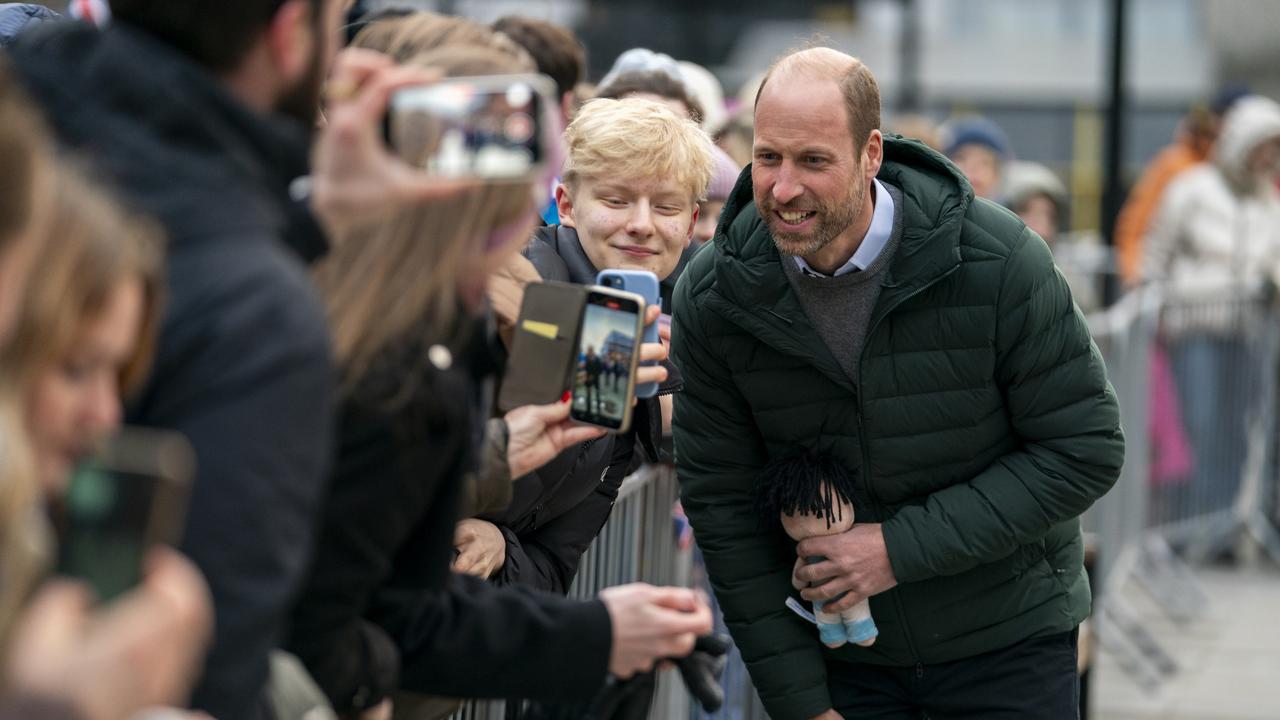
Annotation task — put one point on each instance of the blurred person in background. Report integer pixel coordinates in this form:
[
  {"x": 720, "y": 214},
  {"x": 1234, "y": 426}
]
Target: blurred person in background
[
  {"x": 405, "y": 36},
  {"x": 736, "y": 136},
  {"x": 848, "y": 309},
  {"x": 917, "y": 127},
  {"x": 201, "y": 114},
  {"x": 1218, "y": 223},
  {"x": 559, "y": 55},
  {"x": 63, "y": 658},
  {"x": 707, "y": 91},
  {"x": 1216, "y": 236},
  {"x": 633, "y": 177},
  {"x": 556, "y": 50},
  {"x": 980, "y": 148},
  {"x": 723, "y": 178},
  {"x": 86, "y": 333},
  {"x": 1036, "y": 194},
  {"x": 381, "y": 610},
  {"x": 27, "y": 182},
  {"x": 653, "y": 85},
  {"x": 1192, "y": 145}
]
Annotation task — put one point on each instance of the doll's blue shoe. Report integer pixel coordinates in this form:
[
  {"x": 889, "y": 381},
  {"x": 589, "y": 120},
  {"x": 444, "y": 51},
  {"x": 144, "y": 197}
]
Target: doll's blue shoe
[
  {"x": 860, "y": 631},
  {"x": 832, "y": 634}
]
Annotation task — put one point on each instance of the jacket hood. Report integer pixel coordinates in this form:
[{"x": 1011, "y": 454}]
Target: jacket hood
[
  {"x": 162, "y": 127},
  {"x": 1251, "y": 121},
  {"x": 935, "y": 197},
  {"x": 15, "y": 17}
]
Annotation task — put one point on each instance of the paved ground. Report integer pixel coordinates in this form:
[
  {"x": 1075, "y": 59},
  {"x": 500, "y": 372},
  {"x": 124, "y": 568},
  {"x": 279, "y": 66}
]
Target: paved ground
[{"x": 1230, "y": 662}]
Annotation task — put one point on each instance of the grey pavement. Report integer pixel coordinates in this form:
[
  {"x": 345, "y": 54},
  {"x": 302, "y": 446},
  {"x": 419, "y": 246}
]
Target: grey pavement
[{"x": 1229, "y": 661}]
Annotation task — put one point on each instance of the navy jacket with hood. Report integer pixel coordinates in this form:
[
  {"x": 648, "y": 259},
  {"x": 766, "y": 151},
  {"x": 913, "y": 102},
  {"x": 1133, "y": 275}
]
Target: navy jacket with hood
[{"x": 242, "y": 367}]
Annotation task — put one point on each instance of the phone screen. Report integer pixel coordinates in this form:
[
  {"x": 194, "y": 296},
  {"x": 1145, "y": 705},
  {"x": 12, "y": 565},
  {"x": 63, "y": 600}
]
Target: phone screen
[
  {"x": 487, "y": 127},
  {"x": 603, "y": 386},
  {"x": 120, "y": 503}
]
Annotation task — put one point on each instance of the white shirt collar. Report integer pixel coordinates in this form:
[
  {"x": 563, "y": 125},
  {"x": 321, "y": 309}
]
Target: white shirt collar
[{"x": 873, "y": 244}]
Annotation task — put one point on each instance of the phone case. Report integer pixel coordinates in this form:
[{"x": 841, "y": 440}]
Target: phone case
[
  {"x": 645, "y": 284},
  {"x": 544, "y": 346}
]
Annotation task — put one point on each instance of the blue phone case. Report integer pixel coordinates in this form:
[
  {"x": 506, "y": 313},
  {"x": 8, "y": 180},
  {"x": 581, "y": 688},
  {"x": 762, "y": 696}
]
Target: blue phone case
[{"x": 644, "y": 284}]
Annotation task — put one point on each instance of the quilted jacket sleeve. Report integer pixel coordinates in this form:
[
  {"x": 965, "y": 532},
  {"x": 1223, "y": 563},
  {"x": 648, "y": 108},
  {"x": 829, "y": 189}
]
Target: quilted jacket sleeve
[
  {"x": 719, "y": 452},
  {"x": 1062, "y": 408}
]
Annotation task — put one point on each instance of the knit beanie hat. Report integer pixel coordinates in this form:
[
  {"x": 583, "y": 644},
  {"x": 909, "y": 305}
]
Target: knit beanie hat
[
  {"x": 724, "y": 176},
  {"x": 974, "y": 130}
]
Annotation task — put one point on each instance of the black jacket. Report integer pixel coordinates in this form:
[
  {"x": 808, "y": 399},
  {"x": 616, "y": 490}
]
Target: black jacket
[
  {"x": 557, "y": 510},
  {"x": 381, "y": 585},
  {"x": 242, "y": 368}
]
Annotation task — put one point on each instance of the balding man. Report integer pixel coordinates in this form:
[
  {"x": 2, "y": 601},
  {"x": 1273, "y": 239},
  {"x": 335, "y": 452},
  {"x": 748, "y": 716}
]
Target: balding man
[{"x": 858, "y": 302}]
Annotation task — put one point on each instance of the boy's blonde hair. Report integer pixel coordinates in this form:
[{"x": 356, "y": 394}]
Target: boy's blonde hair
[{"x": 635, "y": 138}]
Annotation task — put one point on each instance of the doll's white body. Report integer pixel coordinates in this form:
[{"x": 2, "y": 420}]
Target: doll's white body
[{"x": 835, "y": 629}]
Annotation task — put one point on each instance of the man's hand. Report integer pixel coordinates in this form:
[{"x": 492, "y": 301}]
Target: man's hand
[
  {"x": 356, "y": 179},
  {"x": 651, "y": 623},
  {"x": 482, "y": 549},
  {"x": 143, "y": 650},
  {"x": 856, "y": 563},
  {"x": 536, "y": 434},
  {"x": 828, "y": 715},
  {"x": 653, "y": 351}
]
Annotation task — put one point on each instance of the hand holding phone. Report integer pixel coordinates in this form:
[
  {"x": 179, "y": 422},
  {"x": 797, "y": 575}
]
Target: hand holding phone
[
  {"x": 355, "y": 178},
  {"x": 645, "y": 284}
]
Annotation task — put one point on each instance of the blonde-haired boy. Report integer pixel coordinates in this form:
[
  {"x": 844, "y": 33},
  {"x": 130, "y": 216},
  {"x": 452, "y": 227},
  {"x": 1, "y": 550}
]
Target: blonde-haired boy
[
  {"x": 633, "y": 177},
  {"x": 629, "y": 200}
]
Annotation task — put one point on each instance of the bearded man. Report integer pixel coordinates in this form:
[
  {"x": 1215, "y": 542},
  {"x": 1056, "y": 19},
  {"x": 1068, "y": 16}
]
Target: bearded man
[{"x": 858, "y": 302}]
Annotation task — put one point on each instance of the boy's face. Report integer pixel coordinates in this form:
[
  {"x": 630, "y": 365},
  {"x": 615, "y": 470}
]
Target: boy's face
[{"x": 630, "y": 224}]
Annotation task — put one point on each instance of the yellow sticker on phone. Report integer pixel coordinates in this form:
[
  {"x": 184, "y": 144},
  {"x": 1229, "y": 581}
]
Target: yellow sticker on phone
[{"x": 546, "y": 330}]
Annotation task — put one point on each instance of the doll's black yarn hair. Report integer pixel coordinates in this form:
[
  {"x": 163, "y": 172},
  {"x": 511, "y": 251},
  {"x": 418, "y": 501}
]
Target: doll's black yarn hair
[{"x": 793, "y": 485}]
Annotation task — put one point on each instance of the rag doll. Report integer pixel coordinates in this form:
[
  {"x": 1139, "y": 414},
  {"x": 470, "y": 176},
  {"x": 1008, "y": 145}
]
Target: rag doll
[{"x": 811, "y": 495}]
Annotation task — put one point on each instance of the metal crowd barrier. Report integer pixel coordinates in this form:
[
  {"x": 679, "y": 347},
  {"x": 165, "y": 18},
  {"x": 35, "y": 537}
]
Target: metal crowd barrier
[
  {"x": 1196, "y": 383},
  {"x": 637, "y": 544}
]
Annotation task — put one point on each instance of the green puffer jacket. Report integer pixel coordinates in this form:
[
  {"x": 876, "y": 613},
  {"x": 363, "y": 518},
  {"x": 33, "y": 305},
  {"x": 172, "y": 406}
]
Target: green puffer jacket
[{"x": 980, "y": 427}]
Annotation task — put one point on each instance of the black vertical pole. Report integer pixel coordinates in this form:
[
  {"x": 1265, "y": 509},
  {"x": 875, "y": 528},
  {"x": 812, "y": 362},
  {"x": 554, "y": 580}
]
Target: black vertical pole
[
  {"x": 1117, "y": 110},
  {"x": 1113, "y": 151},
  {"x": 909, "y": 59}
]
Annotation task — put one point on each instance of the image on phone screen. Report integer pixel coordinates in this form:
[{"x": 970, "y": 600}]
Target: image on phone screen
[
  {"x": 602, "y": 386},
  {"x": 470, "y": 127}
]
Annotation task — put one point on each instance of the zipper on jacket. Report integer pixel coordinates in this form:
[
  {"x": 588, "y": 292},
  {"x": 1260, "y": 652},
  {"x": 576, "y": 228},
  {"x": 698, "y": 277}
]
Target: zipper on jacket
[{"x": 866, "y": 454}]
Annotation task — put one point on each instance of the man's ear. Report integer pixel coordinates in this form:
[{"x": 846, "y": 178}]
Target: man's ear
[
  {"x": 693, "y": 223},
  {"x": 873, "y": 155},
  {"x": 291, "y": 39},
  {"x": 564, "y": 205}
]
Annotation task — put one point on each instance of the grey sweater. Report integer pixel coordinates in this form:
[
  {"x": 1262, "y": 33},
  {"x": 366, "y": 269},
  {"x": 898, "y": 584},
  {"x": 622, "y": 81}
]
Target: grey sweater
[{"x": 840, "y": 307}]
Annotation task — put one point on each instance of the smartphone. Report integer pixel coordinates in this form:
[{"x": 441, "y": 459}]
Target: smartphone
[
  {"x": 125, "y": 499},
  {"x": 644, "y": 284},
  {"x": 604, "y": 382},
  {"x": 489, "y": 127}
]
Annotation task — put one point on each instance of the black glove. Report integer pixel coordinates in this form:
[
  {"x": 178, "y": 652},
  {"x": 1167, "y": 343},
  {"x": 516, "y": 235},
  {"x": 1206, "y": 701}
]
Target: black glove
[
  {"x": 624, "y": 699},
  {"x": 702, "y": 669}
]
